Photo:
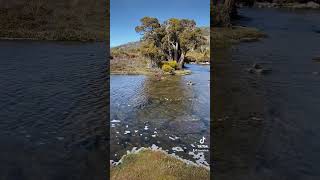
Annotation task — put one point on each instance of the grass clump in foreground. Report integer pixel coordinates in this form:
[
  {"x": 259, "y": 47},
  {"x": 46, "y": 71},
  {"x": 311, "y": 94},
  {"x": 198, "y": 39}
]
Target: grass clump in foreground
[
  {"x": 222, "y": 37},
  {"x": 157, "y": 165}
]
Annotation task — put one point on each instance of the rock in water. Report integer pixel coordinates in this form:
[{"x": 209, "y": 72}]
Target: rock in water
[
  {"x": 256, "y": 66},
  {"x": 317, "y": 59}
]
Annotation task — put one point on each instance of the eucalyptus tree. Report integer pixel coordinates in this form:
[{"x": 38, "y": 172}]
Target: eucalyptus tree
[{"x": 171, "y": 40}]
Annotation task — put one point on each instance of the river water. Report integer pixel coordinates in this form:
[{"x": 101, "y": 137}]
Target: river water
[
  {"x": 267, "y": 126},
  {"x": 53, "y": 99},
  {"x": 168, "y": 113}
]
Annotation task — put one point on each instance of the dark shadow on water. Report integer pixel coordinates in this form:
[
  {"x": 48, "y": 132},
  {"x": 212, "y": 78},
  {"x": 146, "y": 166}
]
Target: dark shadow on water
[{"x": 266, "y": 126}]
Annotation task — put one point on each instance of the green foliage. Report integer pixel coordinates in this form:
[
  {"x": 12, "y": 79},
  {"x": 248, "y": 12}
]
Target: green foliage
[
  {"x": 173, "y": 64},
  {"x": 170, "y": 40},
  {"x": 150, "y": 50},
  {"x": 167, "y": 68},
  {"x": 170, "y": 63}
]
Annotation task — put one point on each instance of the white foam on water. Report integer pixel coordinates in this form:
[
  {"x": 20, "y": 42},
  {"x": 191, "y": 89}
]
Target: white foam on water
[
  {"x": 174, "y": 138},
  {"x": 178, "y": 149},
  {"x": 127, "y": 132},
  {"x": 146, "y": 128},
  {"x": 200, "y": 162},
  {"x": 199, "y": 157},
  {"x": 115, "y": 121}
]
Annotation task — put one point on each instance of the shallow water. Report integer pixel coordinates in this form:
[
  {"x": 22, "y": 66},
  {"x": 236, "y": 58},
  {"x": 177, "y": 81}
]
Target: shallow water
[
  {"x": 284, "y": 143},
  {"x": 167, "y": 113},
  {"x": 53, "y": 99}
]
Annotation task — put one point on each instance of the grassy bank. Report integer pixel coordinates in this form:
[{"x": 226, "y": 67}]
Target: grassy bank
[
  {"x": 289, "y": 4},
  {"x": 222, "y": 37},
  {"x": 148, "y": 164},
  {"x": 77, "y": 20},
  {"x": 129, "y": 66}
]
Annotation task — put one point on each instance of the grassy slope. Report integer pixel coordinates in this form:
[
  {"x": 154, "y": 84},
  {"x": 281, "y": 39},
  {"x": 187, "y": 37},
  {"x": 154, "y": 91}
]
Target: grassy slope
[
  {"x": 156, "y": 165},
  {"x": 53, "y": 20}
]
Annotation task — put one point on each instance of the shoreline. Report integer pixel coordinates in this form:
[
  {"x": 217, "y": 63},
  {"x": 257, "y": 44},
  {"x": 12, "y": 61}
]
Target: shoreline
[
  {"x": 155, "y": 148},
  {"x": 177, "y": 72},
  {"x": 224, "y": 37},
  {"x": 295, "y": 5},
  {"x": 49, "y": 40}
]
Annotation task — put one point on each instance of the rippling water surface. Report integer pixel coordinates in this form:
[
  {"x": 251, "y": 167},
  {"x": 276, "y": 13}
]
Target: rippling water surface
[
  {"x": 168, "y": 113},
  {"x": 275, "y": 135},
  {"x": 53, "y": 107}
]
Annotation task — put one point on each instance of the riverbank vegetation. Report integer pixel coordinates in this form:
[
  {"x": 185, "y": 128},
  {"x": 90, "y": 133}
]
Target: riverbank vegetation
[
  {"x": 164, "y": 46},
  {"x": 149, "y": 164},
  {"x": 223, "y": 32},
  {"x": 222, "y": 37},
  {"x": 74, "y": 20}
]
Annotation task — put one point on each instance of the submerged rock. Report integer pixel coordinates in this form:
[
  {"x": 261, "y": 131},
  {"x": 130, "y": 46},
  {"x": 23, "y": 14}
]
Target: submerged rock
[
  {"x": 258, "y": 69},
  {"x": 190, "y": 83},
  {"x": 317, "y": 59}
]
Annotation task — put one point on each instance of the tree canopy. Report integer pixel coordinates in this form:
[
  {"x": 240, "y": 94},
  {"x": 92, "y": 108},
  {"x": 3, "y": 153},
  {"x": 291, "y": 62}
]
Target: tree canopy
[{"x": 170, "y": 40}]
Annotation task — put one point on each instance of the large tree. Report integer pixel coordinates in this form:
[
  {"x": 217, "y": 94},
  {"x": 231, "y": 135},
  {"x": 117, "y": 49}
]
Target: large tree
[{"x": 170, "y": 40}]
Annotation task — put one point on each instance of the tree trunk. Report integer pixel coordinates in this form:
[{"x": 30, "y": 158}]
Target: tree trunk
[
  {"x": 176, "y": 53},
  {"x": 181, "y": 61},
  {"x": 170, "y": 54},
  {"x": 229, "y": 7}
]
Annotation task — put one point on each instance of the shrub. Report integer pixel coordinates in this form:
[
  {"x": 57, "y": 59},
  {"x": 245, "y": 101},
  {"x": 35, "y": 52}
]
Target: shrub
[
  {"x": 173, "y": 64},
  {"x": 167, "y": 68},
  {"x": 170, "y": 63}
]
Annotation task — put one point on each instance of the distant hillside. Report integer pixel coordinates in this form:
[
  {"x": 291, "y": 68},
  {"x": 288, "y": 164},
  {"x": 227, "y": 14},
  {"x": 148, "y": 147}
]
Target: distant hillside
[
  {"x": 129, "y": 45},
  {"x": 53, "y": 20},
  {"x": 206, "y": 31}
]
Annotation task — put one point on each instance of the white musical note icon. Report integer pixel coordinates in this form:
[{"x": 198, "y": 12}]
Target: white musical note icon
[{"x": 202, "y": 140}]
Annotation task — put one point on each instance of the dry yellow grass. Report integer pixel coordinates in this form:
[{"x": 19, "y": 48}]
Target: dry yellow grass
[
  {"x": 77, "y": 20},
  {"x": 156, "y": 165}
]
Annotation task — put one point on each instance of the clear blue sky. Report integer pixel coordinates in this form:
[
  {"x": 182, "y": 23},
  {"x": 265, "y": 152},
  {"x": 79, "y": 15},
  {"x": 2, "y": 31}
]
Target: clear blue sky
[{"x": 125, "y": 15}]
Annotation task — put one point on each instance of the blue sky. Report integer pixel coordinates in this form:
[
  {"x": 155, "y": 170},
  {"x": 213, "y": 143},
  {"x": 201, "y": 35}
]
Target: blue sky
[{"x": 125, "y": 15}]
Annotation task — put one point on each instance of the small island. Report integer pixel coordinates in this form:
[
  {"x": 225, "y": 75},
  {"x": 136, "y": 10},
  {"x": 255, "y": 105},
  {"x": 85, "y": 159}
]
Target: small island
[{"x": 163, "y": 49}]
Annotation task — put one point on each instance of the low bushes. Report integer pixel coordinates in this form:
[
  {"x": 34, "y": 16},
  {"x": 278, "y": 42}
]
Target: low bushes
[{"x": 167, "y": 68}]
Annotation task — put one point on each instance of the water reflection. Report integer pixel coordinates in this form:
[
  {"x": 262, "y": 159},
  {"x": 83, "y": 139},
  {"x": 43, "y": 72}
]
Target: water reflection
[{"x": 168, "y": 113}]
